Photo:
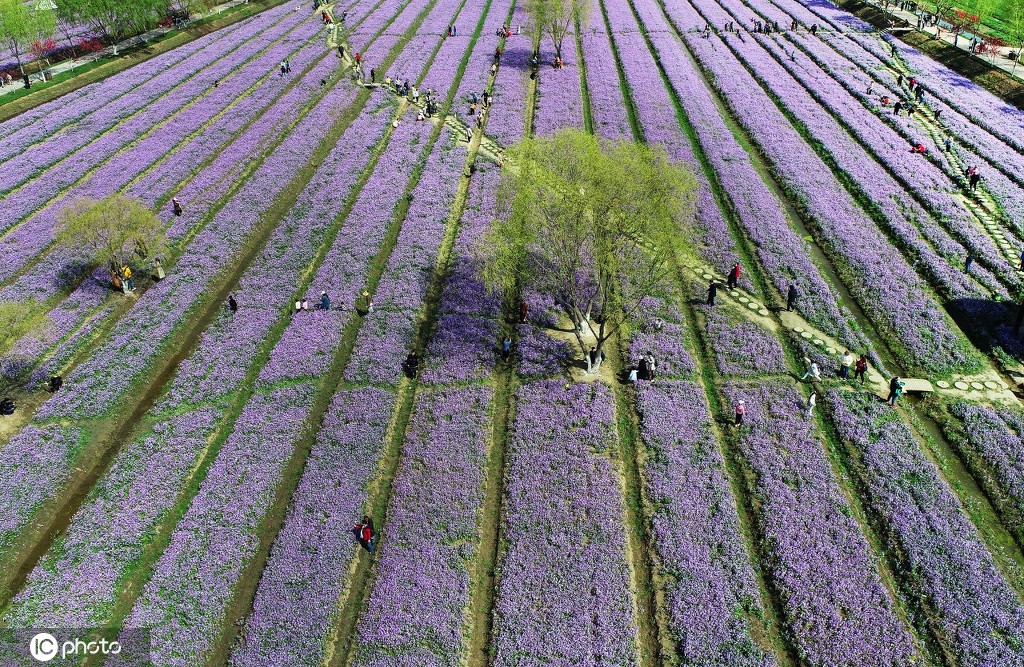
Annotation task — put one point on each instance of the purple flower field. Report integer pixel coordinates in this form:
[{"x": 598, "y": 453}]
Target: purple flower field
[{"x": 203, "y": 471}]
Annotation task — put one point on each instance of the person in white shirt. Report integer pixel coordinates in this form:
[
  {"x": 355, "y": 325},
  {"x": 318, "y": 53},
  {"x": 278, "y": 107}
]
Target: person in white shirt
[
  {"x": 813, "y": 372},
  {"x": 844, "y": 365}
]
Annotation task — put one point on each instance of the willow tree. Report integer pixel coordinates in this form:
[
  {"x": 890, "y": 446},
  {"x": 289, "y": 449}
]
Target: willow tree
[
  {"x": 556, "y": 17},
  {"x": 19, "y": 321},
  {"x": 21, "y": 25},
  {"x": 596, "y": 225},
  {"x": 114, "y": 231}
]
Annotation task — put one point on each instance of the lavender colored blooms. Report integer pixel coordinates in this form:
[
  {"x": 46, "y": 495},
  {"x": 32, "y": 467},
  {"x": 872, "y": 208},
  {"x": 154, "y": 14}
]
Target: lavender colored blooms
[
  {"x": 836, "y": 609},
  {"x": 184, "y": 602},
  {"x": 297, "y": 599},
  {"x": 74, "y": 585},
  {"x": 413, "y": 613},
  {"x": 563, "y": 594},
  {"x": 742, "y": 347},
  {"x": 978, "y": 616},
  {"x": 711, "y": 587}
]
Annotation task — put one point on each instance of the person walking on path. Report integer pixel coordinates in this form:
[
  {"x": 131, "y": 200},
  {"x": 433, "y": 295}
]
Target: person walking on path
[
  {"x": 232, "y": 304},
  {"x": 897, "y": 108},
  {"x": 364, "y": 533},
  {"x": 813, "y": 372},
  {"x": 158, "y": 270},
  {"x": 969, "y": 262},
  {"x": 652, "y": 365},
  {"x": 411, "y": 365},
  {"x": 844, "y": 365},
  {"x": 812, "y": 400},
  {"x": 791, "y": 297},
  {"x": 523, "y": 311},
  {"x": 373, "y": 75},
  {"x": 713, "y": 287},
  {"x": 325, "y": 301},
  {"x": 895, "y": 389},
  {"x": 341, "y": 50},
  {"x": 734, "y": 277},
  {"x": 177, "y": 206},
  {"x": 506, "y": 348},
  {"x": 949, "y": 145},
  {"x": 861, "y": 368},
  {"x": 368, "y": 300},
  {"x": 899, "y": 79},
  {"x": 741, "y": 410},
  {"x": 974, "y": 178},
  {"x": 359, "y": 58}
]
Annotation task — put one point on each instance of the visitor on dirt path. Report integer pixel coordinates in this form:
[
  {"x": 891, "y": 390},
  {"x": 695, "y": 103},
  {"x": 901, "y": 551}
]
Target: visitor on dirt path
[
  {"x": 844, "y": 365},
  {"x": 359, "y": 57},
  {"x": 897, "y": 108},
  {"x": 129, "y": 282},
  {"x": 373, "y": 75},
  {"x": 325, "y": 301},
  {"x": 949, "y": 145},
  {"x": 741, "y": 410},
  {"x": 974, "y": 178},
  {"x": 899, "y": 79},
  {"x": 713, "y": 291},
  {"x": 411, "y": 365},
  {"x": 642, "y": 369},
  {"x": 232, "y": 304},
  {"x": 158, "y": 270},
  {"x": 177, "y": 206},
  {"x": 791, "y": 297},
  {"x": 861, "y": 369},
  {"x": 895, "y": 390},
  {"x": 506, "y": 348},
  {"x": 813, "y": 372},
  {"x": 812, "y": 400},
  {"x": 368, "y": 301},
  {"x": 341, "y": 50},
  {"x": 652, "y": 365},
  {"x": 969, "y": 262},
  {"x": 523, "y": 311},
  {"x": 364, "y": 533},
  {"x": 734, "y": 277}
]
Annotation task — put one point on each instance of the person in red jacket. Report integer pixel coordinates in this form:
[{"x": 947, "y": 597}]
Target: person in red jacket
[
  {"x": 364, "y": 532},
  {"x": 734, "y": 277}
]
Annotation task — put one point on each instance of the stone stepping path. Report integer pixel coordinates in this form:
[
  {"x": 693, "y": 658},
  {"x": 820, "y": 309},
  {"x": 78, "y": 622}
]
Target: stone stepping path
[{"x": 987, "y": 385}]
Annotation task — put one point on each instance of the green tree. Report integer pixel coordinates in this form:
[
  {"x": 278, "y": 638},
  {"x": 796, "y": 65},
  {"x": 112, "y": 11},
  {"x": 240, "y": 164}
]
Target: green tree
[
  {"x": 114, "y": 231},
  {"x": 943, "y": 10},
  {"x": 596, "y": 225},
  {"x": 115, "y": 19},
  {"x": 556, "y": 17},
  {"x": 1015, "y": 29},
  {"x": 17, "y": 320},
  {"x": 20, "y": 25}
]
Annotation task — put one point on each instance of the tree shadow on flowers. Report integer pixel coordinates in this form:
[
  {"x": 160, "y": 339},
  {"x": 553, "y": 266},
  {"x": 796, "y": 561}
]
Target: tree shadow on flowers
[{"x": 995, "y": 327}]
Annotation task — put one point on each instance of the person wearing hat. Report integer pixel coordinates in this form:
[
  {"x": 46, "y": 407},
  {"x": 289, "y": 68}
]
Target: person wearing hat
[
  {"x": 741, "y": 410},
  {"x": 325, "y": 301},
  {"x": 369, "y": 301}
]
